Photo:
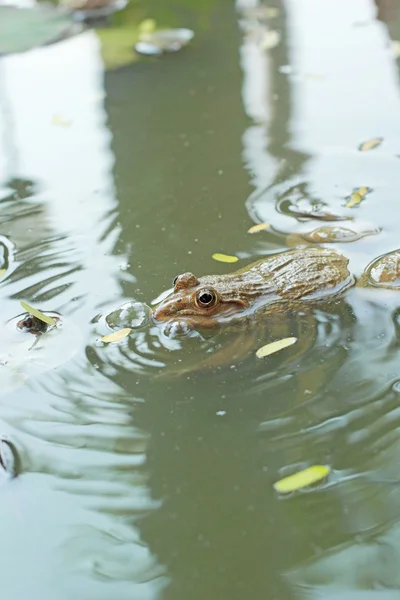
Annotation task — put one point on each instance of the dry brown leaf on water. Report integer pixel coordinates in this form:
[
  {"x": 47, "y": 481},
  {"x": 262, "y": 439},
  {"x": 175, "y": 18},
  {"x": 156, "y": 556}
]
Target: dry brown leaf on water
[
  {"x": 302, "y": 479},
  {"x": 38, "y": 314},
  {"x": 258, "y": 227},
  {"x": 116, "y": 336},
  {"x": 357, "y": 196},
  {"x": 370, "y": 144},
  {"x": 225, "y": 258},
  {"x": 275, "y": 347}
]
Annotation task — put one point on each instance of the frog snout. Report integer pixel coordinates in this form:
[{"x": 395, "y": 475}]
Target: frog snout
[{"x": 162, "y": 313}]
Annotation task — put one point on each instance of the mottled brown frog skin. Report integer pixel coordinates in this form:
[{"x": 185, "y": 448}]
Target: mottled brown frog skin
[{"x": 276, "y": 283}]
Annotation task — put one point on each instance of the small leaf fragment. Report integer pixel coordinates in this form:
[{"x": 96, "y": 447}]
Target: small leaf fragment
[
  {"x": 225, "y": 258},
  {"x": 357, "y": 196},
  {"x": 116, "y": 336},
  {"x": 147, "y": 26},
  {"x": 61, "y": 121},
  {"x": 270, "y": 39},
  {"x": 370, "y": 144},
  {"x": 275, "y": 347},
  {"x": 38, "y": 314},
  {"x": 302, "y": 479},
  {"x": 396, "y": 48},
  {"x": 258, "y": 227},
  {"x": 2, "y": 273}
]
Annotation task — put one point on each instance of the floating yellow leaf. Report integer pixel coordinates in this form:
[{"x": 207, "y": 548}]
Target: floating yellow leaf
[
  {"x": 147, "y": 26},
  {"x": 226, "y": 258},
  {"x": 275, "y": 347},
  {"x": 357, "y": 196},
  {"x": 302, "y": 479},
  {"x": 59, "y": 120},
  {"x": 117, "y": 336},
  {"x": 396, "y": 48},
  {"x": 38, "y": 314},
  {"x": 2, "y": 273},
  {"x": 370, "y": 144},
  {"x": 258, "y": 227},
  {"x": 270, "y": 39}
]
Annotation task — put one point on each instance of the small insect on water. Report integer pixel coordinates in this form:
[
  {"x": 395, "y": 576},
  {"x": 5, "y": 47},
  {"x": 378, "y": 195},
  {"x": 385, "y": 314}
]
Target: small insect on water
[
  {"x": 31, "y": 324},
  {"x": 35, "y": 321}
]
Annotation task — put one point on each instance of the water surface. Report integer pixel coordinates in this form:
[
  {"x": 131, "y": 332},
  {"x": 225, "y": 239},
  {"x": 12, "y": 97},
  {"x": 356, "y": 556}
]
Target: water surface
[{"x": 136, "y": 483}]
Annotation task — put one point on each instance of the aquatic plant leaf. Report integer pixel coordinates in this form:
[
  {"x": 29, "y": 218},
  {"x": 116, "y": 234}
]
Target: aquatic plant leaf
[
  {"x": 258, "y": 227},
  {"x": 370, "y": 144},
  {"x": 357, "y": 196},
  {"x": 225, "y": 258},
  {"x": 38, "y": 314},
  {"x": 117, "y": 336},
  {"x": 2, "y": 273},
  {"x": 275, "y": 347},
  {"x": 302, "y": 479},
  {"x": 24, "y": 28}
]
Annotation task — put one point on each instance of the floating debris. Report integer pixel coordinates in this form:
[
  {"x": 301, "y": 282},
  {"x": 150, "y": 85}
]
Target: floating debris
[
  {"x": 302, "y": 479},
  {"x": 18, "y": 361},
  {"x": 396, "y": 48},
  {"x": 38, "y": 314},
  {"x": 61, "y": 121},
  {"x": 152, "y": 43},
  {"x": 270, "y": 39},
  {"x": 357, "y": 196},
  {"x": 370, "y": 144},
  {"x": 225, "y": 258},
  {"x": 275, "y": 347},
  {"x": 258, "y": 227},
  {"x": 117, "y": 336}
]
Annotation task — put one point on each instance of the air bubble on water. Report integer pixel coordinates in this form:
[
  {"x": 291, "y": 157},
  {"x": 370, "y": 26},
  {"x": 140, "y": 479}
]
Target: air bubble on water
[{"x": 130, "y": 314}]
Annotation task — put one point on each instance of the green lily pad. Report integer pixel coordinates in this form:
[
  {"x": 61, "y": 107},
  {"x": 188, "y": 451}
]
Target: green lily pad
[{"x": 24, "y": 28}]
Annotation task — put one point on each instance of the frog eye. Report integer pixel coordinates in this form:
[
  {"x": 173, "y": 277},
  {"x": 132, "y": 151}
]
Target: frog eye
[{"x": 206, "y": 298}]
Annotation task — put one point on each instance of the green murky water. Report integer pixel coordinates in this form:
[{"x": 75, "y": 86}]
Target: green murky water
[{"x": 138, "y": 484}]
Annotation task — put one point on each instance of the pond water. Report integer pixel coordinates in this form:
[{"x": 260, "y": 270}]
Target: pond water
[{"x": 146, "y": 468}]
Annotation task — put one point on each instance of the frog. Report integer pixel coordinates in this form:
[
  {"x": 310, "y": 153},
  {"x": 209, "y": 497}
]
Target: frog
[{"x": 287, "y": 280}]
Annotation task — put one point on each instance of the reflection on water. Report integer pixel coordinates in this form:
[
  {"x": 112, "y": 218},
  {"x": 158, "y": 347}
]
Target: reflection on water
[{"x": 145, "y": 468}]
